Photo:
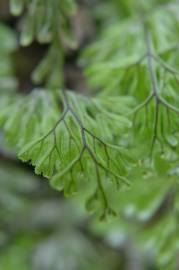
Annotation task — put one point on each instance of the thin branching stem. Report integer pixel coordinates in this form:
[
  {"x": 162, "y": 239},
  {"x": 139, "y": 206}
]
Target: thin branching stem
[{"x": 154, "y": 94}]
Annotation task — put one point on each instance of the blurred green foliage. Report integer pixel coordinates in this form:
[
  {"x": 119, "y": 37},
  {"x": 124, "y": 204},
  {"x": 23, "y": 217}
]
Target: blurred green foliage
[{"x": 115, "y": 150}]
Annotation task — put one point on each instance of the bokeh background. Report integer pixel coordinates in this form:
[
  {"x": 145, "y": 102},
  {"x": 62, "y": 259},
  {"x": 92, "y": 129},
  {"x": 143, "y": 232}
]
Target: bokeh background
[{"x": 39, "y": 228}]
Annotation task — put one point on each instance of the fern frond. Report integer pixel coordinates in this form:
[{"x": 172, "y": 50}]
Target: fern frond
[
  {"x": 48, "y": 23},
  {"x": 8, "y": 45},
  {"x": 68, "y": 144},
  {"x": 42, "y": 18},
  {"x": 139, "y": 58}
]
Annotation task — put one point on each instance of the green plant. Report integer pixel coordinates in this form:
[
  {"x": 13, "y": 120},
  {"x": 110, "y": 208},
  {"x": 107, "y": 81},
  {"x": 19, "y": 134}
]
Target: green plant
[{"x": 122, "y": 139}]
